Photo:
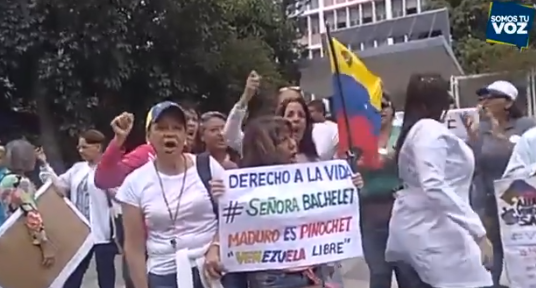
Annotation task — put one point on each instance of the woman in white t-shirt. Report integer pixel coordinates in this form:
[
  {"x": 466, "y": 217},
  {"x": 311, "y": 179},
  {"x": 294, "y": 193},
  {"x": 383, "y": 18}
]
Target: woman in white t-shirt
[
  {"x": 168, "y": 211},
  {"x": 93, "y": 203}
]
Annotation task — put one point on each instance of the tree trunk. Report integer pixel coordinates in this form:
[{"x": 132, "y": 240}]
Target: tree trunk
[{"x": 48, "y": 137}]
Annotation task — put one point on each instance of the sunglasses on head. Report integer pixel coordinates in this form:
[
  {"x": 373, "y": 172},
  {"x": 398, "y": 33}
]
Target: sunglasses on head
[
  {"x": 211, "y": 114},
  {"x": 291, "y": 88}
]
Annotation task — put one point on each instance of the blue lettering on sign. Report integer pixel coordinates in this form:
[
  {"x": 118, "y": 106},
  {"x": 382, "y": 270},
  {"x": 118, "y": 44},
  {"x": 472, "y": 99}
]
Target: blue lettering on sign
[
  {"x": 259, "y": 179},
  {"x": 329, "y": 198},
  {"x": 328, "y": 249}
]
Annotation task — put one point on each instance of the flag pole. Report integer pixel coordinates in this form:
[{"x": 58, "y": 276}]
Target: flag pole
[{"x": 353, "y": 153}]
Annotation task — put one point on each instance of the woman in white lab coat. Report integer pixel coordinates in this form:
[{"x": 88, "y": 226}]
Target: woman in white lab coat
[{"x": 433, "y": 228}]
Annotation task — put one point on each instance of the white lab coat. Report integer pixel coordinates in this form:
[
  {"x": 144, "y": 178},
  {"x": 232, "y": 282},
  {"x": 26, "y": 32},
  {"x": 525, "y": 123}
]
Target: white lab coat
[
  {"x": 432, "y": 227},
  {"x": 522, "y": 163}
]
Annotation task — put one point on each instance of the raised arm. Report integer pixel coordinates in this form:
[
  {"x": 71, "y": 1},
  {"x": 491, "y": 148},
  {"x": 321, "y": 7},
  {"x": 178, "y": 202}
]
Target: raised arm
[
  {"x": 232, "y": 131},
  {"x": 114, "y": 166}
]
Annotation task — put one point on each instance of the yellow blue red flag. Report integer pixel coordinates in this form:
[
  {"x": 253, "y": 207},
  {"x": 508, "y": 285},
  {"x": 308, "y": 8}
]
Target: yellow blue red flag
[{"x": 361, "y": 92}]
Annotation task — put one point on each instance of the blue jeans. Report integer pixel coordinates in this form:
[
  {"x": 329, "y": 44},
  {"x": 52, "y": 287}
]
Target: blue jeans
[
  {"x": 279, "y": 279},
  {"x": 375, "y": 217},
  {"x": 231, "y": 280},
  {"x": 104, "y": 258}
]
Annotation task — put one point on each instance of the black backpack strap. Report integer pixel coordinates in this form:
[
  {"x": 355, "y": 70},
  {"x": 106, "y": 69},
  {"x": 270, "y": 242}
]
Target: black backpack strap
[{"x": 203, "y": 169}]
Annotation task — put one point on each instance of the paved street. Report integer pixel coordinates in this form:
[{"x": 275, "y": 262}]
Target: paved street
[
  {"x": 90, "y": 280},
  {"x": 354, "y": 273}
]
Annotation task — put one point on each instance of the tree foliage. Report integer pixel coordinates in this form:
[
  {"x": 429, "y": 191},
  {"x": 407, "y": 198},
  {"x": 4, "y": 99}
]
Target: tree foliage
[
  {"x": 78, "y": 63},
  {"x": 468, "y": 20}
]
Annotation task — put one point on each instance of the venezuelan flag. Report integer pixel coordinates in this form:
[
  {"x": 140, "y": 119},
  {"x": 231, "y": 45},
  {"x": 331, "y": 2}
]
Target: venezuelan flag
[{"x": 361, "y": 92}]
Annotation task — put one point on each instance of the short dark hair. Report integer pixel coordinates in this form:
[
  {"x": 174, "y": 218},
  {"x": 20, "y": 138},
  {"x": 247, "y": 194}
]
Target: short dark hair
[
  {"x": 93, "y": 136},
  {"x": 318, "y": 104}
]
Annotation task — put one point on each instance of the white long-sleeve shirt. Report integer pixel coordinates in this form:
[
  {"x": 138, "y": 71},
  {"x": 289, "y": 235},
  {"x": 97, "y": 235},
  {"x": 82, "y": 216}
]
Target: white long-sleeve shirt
[
  {"x": 433, "y": 227},
  {"x": 325, "y": 135},
  {"x": 522, "y": 162}
]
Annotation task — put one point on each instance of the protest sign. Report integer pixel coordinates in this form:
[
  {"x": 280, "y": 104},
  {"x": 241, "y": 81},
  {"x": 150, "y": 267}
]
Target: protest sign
[
  {"x": 289, "y": 216},
  {"x": 67, "y": 230},
  {"x": 516, "y": 202},
  {"x": 453, "y": 120}
]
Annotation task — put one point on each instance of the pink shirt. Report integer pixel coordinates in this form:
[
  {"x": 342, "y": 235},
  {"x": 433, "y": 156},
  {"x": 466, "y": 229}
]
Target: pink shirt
[{"x": 114, "y": 165}]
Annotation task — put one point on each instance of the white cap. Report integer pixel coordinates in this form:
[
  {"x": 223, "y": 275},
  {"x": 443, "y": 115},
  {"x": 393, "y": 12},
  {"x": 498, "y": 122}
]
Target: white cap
[{"x": 500, "y": 87}]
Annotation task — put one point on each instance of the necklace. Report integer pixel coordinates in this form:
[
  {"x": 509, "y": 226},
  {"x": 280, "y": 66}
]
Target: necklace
[{"x": 172, "y": 217}]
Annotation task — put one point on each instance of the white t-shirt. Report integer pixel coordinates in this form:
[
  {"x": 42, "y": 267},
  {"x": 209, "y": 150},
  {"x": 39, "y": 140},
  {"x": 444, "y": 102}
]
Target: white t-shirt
[
  {"x": 196, "y": 223},
  {"x": 326, "y": 138},
  {"x": 90, "y": 200},
  {"x": 325, "y": 135}
]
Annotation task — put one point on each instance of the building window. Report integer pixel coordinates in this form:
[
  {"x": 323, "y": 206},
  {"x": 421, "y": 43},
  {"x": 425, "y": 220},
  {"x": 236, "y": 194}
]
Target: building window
[
  {"x": 341, "y": 18},
  {"x": 304, "y": 54},
  {"x": 313, "y": 4},
  {"x": 328, "y": 3},
  {"x": 397, "y": 8},
  {"x": 315, "y": 24},
  {"x": 316, "y": 53},
  {"x": 368, "y": 44},
  {"x": 354, "y": 16},
  {"x": 302, "y": 26},
  {"x": 399, "y": 39},
  {"x": 380, "y": 10},
  {"x": 411, "y": 7},
  {"x": 329, "y": 16},
  {"x": 381, "y": 42},
  {"x": 367, "y": 13}
]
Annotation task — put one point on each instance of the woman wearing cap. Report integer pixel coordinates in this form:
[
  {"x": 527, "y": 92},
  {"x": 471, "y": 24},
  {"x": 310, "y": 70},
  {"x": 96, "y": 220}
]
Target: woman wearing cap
[
  {"x": 325, "y": 136},
  {"x": 492, "y": 141},
  {"x": 168, "y": 211},
  {"x": 95, "y": 204},
  {"x": 17, "y": 191},
  {"x": 433, "y": 228}
]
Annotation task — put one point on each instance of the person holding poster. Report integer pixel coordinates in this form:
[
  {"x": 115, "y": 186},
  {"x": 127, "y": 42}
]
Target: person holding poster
[
  {"x": 168, "y": 212},
  {"x": 295, "y": 110},
  {"x": 325, "y": 136},
  {"x": 493, "y": 140},
  {"x": 433, "y": 227},
  {"x": 95, "y": 204},
  {"x": 270, "y": 141},
  {"x": 17, "y": 191}
]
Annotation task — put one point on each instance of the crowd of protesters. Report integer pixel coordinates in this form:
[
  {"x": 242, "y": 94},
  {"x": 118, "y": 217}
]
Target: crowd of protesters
[{"x": 428, "y": 215}]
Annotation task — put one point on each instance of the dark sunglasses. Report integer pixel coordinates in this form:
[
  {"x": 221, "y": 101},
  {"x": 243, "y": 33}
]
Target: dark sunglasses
[
  {"x": 493, "y": 96},
  {"x": 386, "y": 105}
]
